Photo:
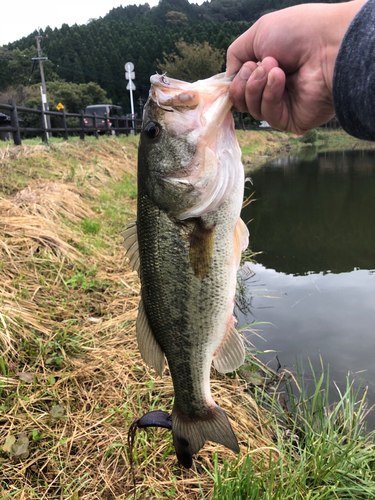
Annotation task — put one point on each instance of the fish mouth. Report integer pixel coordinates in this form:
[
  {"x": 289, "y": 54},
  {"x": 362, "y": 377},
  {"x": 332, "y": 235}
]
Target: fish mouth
[
  {"x": 165, "y": 81},
  {"x": 171, "y": 95}
]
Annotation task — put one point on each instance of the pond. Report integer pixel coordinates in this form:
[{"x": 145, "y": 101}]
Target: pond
[{"x": 314, "y": 282}]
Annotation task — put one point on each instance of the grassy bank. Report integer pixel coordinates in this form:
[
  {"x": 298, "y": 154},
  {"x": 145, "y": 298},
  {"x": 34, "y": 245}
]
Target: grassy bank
[
  {"x": 261, "y": 146},
  {"x": 72, "y": 379}
]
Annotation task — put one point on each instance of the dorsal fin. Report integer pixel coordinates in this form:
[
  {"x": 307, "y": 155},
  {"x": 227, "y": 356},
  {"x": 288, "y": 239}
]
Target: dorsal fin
[
  {"x": 148, "y": 345},
  {"x": 231, "y": 353},
  {"x": 131, "y": 244}
]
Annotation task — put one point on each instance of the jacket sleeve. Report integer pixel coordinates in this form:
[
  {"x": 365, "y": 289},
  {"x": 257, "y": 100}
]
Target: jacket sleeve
[{"x": 353, "y": 85}]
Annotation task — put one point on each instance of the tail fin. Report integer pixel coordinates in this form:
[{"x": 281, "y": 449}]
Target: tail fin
[{"x": 189, "y": 435}]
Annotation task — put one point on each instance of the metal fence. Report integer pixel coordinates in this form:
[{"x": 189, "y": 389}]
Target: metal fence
[{"x": 115, "y": 125}]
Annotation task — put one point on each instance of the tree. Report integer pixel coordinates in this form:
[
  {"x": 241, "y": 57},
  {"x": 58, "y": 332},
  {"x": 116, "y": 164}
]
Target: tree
[
  {"x": 5, "y": 71},
  {"x": 176, "y": 18},
  {"x": 21, "y": 94},
  {"x": 72, "y": 95},
  {"x": 193, "y": 62}
]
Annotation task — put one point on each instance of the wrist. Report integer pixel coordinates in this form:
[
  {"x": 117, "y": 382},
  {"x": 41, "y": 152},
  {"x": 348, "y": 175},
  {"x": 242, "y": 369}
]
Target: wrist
[{"x": 339, "y": 17}]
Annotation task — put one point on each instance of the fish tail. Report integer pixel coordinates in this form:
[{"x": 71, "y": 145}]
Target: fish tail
[{"x": 190, "y": 434}]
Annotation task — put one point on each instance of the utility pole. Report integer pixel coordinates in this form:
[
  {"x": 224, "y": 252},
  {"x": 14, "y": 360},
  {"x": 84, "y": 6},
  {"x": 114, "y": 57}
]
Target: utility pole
[{"x": 43, "y": 90}]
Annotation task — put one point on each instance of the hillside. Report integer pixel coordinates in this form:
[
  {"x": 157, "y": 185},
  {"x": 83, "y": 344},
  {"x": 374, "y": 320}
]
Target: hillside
[{"x": 97, "y": 52}]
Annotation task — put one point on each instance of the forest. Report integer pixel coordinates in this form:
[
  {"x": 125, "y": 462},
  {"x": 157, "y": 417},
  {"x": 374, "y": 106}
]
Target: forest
[{"x": 86, "y": 63}]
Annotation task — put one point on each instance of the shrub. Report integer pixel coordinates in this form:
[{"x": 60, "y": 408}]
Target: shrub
[{"x": 310, "y": 137}]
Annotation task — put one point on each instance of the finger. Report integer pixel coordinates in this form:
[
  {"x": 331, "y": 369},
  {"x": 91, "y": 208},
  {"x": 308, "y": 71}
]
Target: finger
[
  {"x": 241, "y": 51},
  {"x": 274, "y": 107},
  {"x": 255, "y": 87},
  {"x": 238, "y": 86}
]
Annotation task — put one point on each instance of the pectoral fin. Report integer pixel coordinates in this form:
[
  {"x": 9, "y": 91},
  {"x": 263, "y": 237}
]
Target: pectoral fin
[
  {"x": 148, "y": 345},
  {"x": 241, "y": 240},
  {"x": 131, "y": 244},
  {"x": 231, "y": 353}
]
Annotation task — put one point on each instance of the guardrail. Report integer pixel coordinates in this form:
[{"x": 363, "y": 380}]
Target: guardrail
[{"x": 112, "y": 127}]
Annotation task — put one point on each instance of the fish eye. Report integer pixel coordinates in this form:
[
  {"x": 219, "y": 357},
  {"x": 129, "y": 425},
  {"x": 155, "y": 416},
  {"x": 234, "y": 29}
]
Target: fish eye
[{"x": 152, "y": 130}]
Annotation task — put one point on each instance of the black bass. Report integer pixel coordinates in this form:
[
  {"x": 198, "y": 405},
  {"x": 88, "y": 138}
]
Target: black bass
[{"x": 186, "y": 246}]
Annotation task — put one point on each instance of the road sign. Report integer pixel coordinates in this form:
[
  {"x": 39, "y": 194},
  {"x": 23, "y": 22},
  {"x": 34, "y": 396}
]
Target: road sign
[
  {"x": 130, "y": 75},
  {"x": 129, "y": 66},
  {"x": 60, "y": 106}
]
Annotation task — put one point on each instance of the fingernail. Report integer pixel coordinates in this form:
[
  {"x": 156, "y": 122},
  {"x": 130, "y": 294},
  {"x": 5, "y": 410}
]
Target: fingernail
[
  {"x": 270, "y": 79},
  {"x": 259, "y": 73},
  {"x": 245, "y": 73}
]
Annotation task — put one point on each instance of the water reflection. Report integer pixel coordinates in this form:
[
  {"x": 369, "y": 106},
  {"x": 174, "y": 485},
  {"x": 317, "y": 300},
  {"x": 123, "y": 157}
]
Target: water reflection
[
  {"x": 315, "y": 215},
  {"x": 314, "y": 221}
]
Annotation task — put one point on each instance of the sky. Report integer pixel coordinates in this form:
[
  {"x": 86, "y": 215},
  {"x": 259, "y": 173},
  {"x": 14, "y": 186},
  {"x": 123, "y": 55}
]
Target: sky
[{"x": 21, "y": 18}]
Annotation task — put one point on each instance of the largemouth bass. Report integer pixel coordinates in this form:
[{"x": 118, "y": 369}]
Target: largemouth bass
[{"x": 186, "y": 246}]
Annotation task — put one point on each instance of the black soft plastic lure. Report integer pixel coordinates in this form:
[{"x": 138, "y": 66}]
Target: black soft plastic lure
[{"x": 156, "y": 418}]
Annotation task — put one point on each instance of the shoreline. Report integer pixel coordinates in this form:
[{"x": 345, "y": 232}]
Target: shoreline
[{"x": 261, "y": 146}]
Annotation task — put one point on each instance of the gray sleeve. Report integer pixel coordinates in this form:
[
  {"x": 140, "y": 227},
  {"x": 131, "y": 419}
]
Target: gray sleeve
[{"x": 353, "y": 86}]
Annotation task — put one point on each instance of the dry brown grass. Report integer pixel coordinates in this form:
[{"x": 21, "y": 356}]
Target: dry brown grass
[{"x": 67, "y": 316}]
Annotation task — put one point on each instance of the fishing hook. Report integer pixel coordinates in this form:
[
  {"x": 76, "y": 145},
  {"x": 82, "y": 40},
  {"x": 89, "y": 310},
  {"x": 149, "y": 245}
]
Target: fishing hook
[{"x": 164, "y": 109}]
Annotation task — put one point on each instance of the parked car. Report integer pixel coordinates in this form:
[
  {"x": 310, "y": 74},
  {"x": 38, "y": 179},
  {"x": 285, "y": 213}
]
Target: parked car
[
  {"x": 5, "y": 122},
  {"x": 106, "y": 116}
]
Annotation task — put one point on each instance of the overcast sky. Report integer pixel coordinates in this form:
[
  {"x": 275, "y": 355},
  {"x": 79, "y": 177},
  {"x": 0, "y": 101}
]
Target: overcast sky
[{"x": 22, "y": 17}]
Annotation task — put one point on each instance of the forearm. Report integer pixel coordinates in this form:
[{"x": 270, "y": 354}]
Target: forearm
[{"x": 354, "y": 76}]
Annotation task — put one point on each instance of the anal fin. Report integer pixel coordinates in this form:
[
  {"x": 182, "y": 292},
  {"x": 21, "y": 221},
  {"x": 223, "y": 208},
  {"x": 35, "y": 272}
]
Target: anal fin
[
  {"x": 148, "y": 345},
  {"x": 231, "y": 353}
]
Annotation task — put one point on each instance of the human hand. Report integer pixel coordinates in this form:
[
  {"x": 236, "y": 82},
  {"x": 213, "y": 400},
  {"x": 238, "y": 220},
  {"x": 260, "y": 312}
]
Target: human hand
[{"x": 286, "y": 62}]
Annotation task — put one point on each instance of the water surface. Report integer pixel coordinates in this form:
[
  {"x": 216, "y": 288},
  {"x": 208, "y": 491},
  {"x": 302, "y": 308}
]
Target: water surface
[{"x": 314, "y": 222}]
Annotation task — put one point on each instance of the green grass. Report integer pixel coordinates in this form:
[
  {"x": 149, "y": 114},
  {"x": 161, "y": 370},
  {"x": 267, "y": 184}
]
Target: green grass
[
  {"x": 321, "y": 451},
  {"x": 126, "y": 187},
  {"x": 90, "y": 226},
  {"x": 248, "y": 149}
]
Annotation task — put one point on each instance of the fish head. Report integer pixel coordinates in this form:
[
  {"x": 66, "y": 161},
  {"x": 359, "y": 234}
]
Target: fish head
[{"x": 188, "y": 149}]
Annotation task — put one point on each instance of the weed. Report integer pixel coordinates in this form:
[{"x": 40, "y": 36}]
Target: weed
[
  {"x": 127, "y": 187},
  {"x": 91, "y": 226},
  {"x": 310, "y": 137}
]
